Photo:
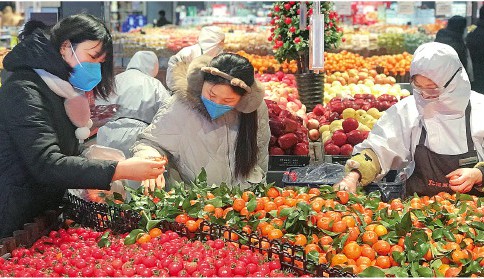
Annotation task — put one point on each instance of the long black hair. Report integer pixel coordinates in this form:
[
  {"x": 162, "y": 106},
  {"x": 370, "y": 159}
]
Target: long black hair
[
  {"x": 84, "y": 27},
  {"x": 246, "y": 148}
]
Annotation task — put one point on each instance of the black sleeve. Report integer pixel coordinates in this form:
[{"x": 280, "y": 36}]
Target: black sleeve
[{"x": 30, "y": 127}]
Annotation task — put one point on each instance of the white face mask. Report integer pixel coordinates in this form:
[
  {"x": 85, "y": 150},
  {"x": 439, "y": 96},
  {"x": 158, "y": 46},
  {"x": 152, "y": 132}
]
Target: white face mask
[{"x": 432, "y": 93}]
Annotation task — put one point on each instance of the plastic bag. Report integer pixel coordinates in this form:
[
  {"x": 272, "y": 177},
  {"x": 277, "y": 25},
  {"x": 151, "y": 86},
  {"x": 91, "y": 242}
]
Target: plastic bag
[
  {"x": 103, "y": 153},
  {"x": 317, "y": 174}
]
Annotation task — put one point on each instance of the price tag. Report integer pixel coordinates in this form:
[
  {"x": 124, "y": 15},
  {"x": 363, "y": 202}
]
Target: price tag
[
  {"x": 406, "y": 8},
  {"x": 443, "y": 8},
  {"x": 364, "y": 41},
  {"x": 343, "y": 8}
]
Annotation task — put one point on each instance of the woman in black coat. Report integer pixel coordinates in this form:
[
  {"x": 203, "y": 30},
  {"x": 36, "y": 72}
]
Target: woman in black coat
[
  {"x": 44, "y": 116},
  {"x": 475, "y": 43},
  {"x": 453, "y": 35}
]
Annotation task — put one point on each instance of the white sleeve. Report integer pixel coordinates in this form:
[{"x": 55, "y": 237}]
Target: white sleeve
[{"x": 390, "y": 139}]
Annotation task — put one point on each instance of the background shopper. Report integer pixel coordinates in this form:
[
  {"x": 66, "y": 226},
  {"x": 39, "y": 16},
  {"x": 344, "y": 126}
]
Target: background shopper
[
  {"x": 475, "y": 43},
  {"x": 210, "y": 42},
  {"x": 139, "y": 96}
]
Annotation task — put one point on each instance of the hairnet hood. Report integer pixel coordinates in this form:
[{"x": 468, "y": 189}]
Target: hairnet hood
[
  {"x": 144, "y": 61},
  {"x": 210, "y": 36},
  {"x": 439, "y": 62}
]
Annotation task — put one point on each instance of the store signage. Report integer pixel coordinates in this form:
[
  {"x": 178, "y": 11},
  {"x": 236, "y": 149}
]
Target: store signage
[
  {"x": 343, "y": 8},
  {"x": 406, "y": 8},
  {"x": 219, "y": 10},
  {"x": 443, "y": 8}
]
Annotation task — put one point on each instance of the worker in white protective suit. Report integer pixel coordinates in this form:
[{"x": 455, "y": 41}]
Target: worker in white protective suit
[
  {"x": 139, "y": 95},
  {"x": 437, "y": 134},
  {"x": 210, "y": 42}
]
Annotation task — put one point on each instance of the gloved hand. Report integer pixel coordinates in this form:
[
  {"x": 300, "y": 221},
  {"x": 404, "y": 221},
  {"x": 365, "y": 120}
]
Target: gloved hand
[
  {"x": 139, "y": 169},
  {"x": 462, "y": 180},
  {"x": 349, "y": 182},
  {"x": 151, "y": 184}
]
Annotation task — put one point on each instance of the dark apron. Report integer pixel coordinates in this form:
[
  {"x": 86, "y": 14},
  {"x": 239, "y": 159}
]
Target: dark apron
[{"x": 428, "y": 178}]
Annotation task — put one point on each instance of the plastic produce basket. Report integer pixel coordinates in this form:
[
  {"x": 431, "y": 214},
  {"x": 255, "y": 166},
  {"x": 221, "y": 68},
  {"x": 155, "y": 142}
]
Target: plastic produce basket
[
  {"x": 390, "y": 187},
  {"x": 292, "y": 257}
]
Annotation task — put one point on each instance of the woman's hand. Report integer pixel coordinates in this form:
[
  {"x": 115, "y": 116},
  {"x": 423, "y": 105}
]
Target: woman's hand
[
  {"x": 139, "y": 169},
  {"x": 462, "y": 180},
  {"x": 349, "y": 182},
  {"x": 151, "y": 184}
]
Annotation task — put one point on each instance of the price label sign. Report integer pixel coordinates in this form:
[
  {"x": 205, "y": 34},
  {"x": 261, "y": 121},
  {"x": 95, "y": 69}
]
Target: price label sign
[
  {"x": 406, "y": 8},
  {"x": 443, "y": 8},
  {"x": 343, "y": 8},
  {"x": 365, "y": 41}
]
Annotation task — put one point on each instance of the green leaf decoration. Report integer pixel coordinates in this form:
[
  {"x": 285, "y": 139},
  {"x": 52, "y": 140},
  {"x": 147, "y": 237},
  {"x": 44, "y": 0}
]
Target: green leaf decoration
[{"x": 372, "y": 271}]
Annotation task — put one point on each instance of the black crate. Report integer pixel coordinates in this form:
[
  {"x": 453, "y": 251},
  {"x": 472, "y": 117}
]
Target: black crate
[
  {"x": 390, "y": 187},
  {"x": 282, "y": 162},
  {"x": 292, "y": 257},
  {"x": 336, "y": 159}
]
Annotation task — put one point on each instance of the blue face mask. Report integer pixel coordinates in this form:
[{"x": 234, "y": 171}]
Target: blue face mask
[
  {"x": 215, "y": 110},
  {"x": 86, "y": 75}
]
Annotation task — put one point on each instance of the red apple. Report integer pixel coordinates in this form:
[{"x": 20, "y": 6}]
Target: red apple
[
  {"x": 301, "y": 149},
  {"x": 337, "y": 107},
  {"x": 319, "y": 110},
  {"x": 354, "y": 137},
  {"x": 331, "y": 149},
  {"x": 276, "y": 151},
  {"x": 330, "y": 141},
  {"x": 339, "y": 139},
  {"x": 346, "y": 149},
  {"x": 333, "y": 116},
  {"x": 350, "y": 124}
]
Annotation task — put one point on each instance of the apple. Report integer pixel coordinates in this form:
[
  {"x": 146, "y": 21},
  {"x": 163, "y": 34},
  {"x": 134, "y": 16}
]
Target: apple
[
  {"x": 312, "y": 124},
  {"x": 314, "y": 134},
  {"x": 346, "y": 149},
  {"x": 333, "y": 116},
  {"x": 319, "y": 110},
  {"x": 332, "y": 149},
  {"x": 354, "y": 137},
  {"x": 329, "y": 141},
  {"x": 337, "y": 107},
  {"x": 339, "y": 139},
  {"x": 301, "y": 149},
  {"x": 276, "y": 151},
  {"x": 350, "y": 124}
]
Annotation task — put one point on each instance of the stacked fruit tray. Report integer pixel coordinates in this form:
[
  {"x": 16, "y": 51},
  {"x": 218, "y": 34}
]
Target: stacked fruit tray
[{"x": 102, "y": 216}]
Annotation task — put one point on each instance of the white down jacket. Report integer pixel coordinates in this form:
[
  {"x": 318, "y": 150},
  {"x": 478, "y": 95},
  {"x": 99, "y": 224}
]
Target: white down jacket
[
  {"x": 396, "y": 134},
  {"x": 183, "y": 130},
  {"x": 139, "y": 95}
]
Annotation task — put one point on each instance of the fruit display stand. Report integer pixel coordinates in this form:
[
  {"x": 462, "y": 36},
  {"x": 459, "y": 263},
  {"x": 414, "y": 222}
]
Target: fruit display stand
[
  {"x": 101, "y": 217},
  {"x": 25, "y": 237}
]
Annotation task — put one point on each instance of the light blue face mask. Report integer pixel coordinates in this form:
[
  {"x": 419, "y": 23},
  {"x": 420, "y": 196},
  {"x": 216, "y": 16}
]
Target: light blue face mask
[
  {"x": 215, "y": 110},
  {"x": 86, "y": 75}
]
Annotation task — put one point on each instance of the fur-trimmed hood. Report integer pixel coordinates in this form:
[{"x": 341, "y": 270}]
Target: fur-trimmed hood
[{"x": 188, "y": 83}]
